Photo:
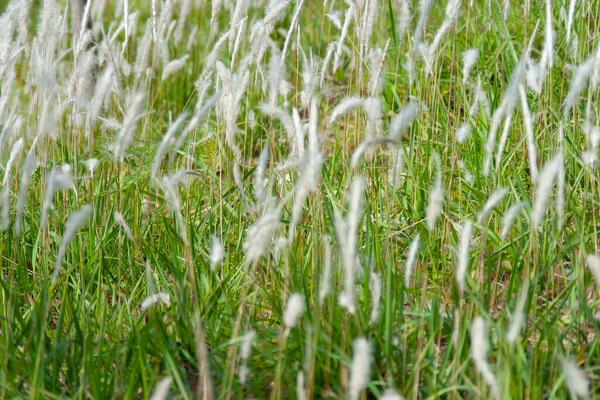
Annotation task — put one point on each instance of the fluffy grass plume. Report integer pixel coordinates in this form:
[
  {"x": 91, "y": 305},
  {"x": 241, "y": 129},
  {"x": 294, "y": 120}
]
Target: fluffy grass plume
[
  {"x": 479, "y": 354},
  {"x": 360, "y": 369}
]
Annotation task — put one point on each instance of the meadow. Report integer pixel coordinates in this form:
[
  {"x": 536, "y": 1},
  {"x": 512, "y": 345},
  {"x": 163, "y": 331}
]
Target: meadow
[{"x": 358, "y": 199}]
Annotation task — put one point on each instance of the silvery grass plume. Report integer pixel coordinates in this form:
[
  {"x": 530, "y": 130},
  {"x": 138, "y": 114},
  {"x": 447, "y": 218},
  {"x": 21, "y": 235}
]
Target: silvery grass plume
[
  {"x": 581, "y": 79},
  {"x": 126, "y": 24},
  {"x": 103, "y": 87},
  {"x": 294, "y": 309},
  {"x": 509, "y": 217},
  {"x": 310, "y": 175},
  {"x": 301, "y": 386},
  {"x": 592, "y": 133},
  {"x": 238, "y": 39},
  {"x": 436, "y": 196},
  {"x": 348, "y": 104},
  {"x": 394, "y": 174},
  {"x": 492, "y": 202},
  {"x": 350, "y": 14},
  {"x": 545, "y": 181},
  {"x": 376, "y": 61},
  {"x": 479, "y": 351},
  {"x": 464, "y": 132},
  {"x": 391, "y": 394},
  {"x": 411, "y": 259},
  {"x": 59, "y": 179},
  {"x": 217, "y": 252},
  {"x": 577, "y": 382},
  {"x": 234, "y": 87},
  {"x": 291, "y": 29},
  {"x": 165, "y": 143},
  {"x": 92, "y": 164},
  {"x": 260, "y": 193},
  {"x": 347, "y": 232},
  {"x": 402, "y": 121},
  {"x": 467, "y": 174},
  {"x": 593, "y": 263},
  {"x": 145, "y": 44},
  {"x": 469, "y": 58},
  {"x": 331, "y": 47},
  {"x": 215, "y": 8},
  {"x": 429, "y": 51},
  {"x": 536, "y": 72},
  {"x": 404, "y": 17},
  {"x": 75, "y": 221},
  {"x": 210, "y": 62},
  {"x": 310, "y": 78},
  {"x": 464, "y": 250},
  {"x": 375, "y": 287},
  {"x": 149, "y": 281},
  {"x": 276, "y": 77},
  {"x": 589, "y": 158},
  {"x": 365, "y": 145},
  {"x": 14, "y": 153},
  {"x": 26, "y": 174},
  {"x": 245, "y": 351},
  {"x": 156, "y": 298},
  {"x": 239, "y": 12},
  {"x": 169, "y": 185},
  {"x": 504, "y": 111},
  {"x": 399, "y": 124},
  {"x": 518, "y": 319},
  {"x": 259, "y": 235},
  {"x": 127, "y": 132},
  {"x": 334, "y": 17},
  {"x": 162, "y": 389},
  {"x": 528, "y": 124},
  {"x": 368, "y": 12},
  {"x": 174, "y": 66},
  {"x": 360, "y": 370},
  {"x": 424, "y": 8},
  {"x": 120, "y": 219},
  {"x": 374, "y": 113},
  {"x": 288, "y": 124},
  {"x": 201, "y": 113},
  {"x": 325, "y": 282},
  {"x": 570, "y": 18},
  {"x": 480, "y": 98},
  {"x": 260, "y": 32}
]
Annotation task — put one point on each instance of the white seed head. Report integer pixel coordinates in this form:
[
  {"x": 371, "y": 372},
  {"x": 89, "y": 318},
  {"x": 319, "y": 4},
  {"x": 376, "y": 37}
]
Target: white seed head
[
  {"x": 157, "y": 298},
  {"x": 576, "y": 379},
  {"x": 293, "y": 311},
  {"x": 360, "y": 369}
]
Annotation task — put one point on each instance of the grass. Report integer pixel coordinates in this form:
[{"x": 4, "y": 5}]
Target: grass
[{"x": 86, "y": 335}]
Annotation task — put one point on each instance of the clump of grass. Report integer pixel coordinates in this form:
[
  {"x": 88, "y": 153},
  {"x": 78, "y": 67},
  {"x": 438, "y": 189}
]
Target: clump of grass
[{"x": 328, "y": 212}]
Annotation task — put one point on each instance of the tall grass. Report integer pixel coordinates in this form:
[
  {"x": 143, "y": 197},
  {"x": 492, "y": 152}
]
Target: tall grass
[{"x": 299, "y": 199}]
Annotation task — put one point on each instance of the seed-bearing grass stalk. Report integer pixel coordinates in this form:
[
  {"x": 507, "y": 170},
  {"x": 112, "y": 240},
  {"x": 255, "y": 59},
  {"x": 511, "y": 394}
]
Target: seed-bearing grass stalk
[
  {"x": 411, "y": 259},
  {"x": 575, "y": 378},
  {"x": 436, "y": 196},
  {"x": 348, "y": 233},
  {"x": 162, "y": 389},
  {"x": 360, "y": 369},
  {"x": 464, "y": 249},
  {"x": 493, "y": 201},
  {"x": 75, "y": 221},
  {"x": 479, "y": 351},
  {"x": 5, "y": 216},
  {"x": 518, "y": 319},
  {"x": 544, "y": 185},
  {"x": 509, "y": 217}
]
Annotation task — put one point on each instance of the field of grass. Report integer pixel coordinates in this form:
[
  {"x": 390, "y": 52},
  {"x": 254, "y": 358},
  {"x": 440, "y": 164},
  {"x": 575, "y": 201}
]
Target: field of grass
[{"x": 302, "y": 199}]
